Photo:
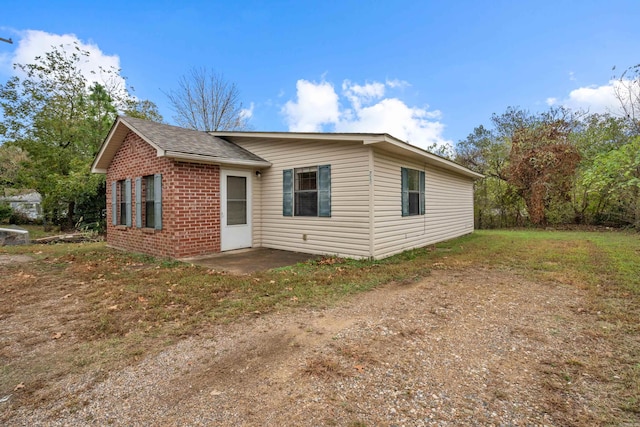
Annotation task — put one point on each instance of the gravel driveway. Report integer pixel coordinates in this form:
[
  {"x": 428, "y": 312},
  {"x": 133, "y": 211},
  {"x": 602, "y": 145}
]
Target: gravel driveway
[{"x": 465, "y": 346}]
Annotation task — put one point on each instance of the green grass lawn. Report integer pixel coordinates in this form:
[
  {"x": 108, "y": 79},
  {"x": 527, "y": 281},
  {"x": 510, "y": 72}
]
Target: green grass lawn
[{"x": 134, "y": 305}]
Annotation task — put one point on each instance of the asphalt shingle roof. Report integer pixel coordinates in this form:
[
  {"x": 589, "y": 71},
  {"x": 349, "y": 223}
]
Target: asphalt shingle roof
[{"x": 188, "y": 141}]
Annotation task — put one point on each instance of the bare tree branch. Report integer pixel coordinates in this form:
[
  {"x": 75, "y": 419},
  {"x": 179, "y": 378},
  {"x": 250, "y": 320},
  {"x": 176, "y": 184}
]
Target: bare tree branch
[
  {"x": 205, "y": 101},
  {"x": 627, "y": 91}
]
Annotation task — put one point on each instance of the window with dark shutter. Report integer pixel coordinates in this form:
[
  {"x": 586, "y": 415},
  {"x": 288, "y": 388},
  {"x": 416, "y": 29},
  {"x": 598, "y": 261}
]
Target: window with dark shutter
[
  {"x": 307, "y": 191},
  {"x": 287, "y": 192},
  {"x": 122, "y": 191},
  {"x": 127, "y": 186},
  {"x": 138, "y": 194},
  {"x": 149, "y": 201},
  {"x": 157, "y": 201},
  {"x": 114, "y": 203}
]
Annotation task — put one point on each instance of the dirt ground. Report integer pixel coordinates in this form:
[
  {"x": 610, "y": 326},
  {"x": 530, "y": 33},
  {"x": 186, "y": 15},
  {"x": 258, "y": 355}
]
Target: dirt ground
[{"x": 465, "y": 346}]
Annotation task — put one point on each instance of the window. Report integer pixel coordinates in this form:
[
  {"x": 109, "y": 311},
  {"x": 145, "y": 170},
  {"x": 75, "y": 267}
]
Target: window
[
  {"x": 307, "y": 191},
  {"x": 236, "y": 200},
  {"x": 149, "y": 201},
  {"x": 121, "y": 202},
  {"x": 412, "y": 192}
]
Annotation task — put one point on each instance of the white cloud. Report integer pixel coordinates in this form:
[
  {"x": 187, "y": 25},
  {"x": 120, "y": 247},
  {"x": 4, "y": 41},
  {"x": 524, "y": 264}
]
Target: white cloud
[
  {"x": 317, "y": 104},
  {"x": 317, "y": 108},
  {"x": 395, "y": 83},
  {"x": 34, "y": 43},
  {"x": 247, "y": 113},
  {"x": 358, "y": 94},
  {"x": 596, "y": 99}
]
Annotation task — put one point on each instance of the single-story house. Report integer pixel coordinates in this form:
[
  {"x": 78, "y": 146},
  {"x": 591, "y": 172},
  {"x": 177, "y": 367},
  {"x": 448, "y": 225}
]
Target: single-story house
[
  {"x": 27, "y": 203},
  {"x": 181, "y": 193}
]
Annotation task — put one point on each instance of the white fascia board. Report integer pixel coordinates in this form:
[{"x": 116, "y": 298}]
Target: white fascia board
[
  {"x": 189, "y": 157},
  {"x": 365, "y": 138},
  {"x": 103, "y": 147},
  {"x": 431, "y": 158},
  {"x": 295, "y": 135}
]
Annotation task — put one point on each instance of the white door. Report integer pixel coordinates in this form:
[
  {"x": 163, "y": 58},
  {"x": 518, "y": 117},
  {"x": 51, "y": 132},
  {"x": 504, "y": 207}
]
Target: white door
[{"x": 235, "y": 213}]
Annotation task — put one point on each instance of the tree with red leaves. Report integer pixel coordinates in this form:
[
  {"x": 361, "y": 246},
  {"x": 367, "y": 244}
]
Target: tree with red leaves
[{"x": 543, "y": 161}]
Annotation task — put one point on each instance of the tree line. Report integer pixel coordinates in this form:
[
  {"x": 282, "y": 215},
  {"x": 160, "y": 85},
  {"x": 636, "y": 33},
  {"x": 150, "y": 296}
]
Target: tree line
[
  {"x": 559, "y": 166},
  {"x": 552, "y": 167}
]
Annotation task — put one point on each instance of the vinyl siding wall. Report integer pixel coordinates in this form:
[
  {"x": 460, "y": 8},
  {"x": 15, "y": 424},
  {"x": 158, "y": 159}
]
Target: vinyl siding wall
[
  {"x": 448, "y": 213},
  {"x": 346, "y": 232}
]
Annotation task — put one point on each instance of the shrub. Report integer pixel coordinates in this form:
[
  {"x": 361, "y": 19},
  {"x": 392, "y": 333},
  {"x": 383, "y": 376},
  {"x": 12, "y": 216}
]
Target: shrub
[
  {"x": 5, "y": 211},
  {"x": 19, "y": 218}
]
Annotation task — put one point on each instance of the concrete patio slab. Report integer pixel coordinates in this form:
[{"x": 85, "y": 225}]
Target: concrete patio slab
[{"x": 247, "y": 261}]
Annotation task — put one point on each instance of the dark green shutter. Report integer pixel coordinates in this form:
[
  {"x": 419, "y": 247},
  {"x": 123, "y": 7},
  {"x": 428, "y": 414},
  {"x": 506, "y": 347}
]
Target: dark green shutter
[
  {"x": 324, "y": 190},
  {"x": 138, "y": 202},
  {"x": 114, "y": 203},
  {"x": 287, "y": 192},
  {"x": 405, "y": 191},
  {"x": 157, "y": 202},
  {"x": 127, "y": 199},
  {"x": 422, "y": 184}
]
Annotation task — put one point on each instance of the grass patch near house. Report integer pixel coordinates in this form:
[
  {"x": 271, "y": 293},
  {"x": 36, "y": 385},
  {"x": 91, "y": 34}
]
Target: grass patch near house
[{"x": 84, "y": 308}]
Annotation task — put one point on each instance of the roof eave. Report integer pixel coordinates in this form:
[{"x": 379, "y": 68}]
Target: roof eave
[
  {"x": 103, "y": 146},
  {"x": 430, "y": 158},
  {"x": 107, "y": 151},
  {"x": 201, "y": 158},
  {"x": 359, "y": 137}
]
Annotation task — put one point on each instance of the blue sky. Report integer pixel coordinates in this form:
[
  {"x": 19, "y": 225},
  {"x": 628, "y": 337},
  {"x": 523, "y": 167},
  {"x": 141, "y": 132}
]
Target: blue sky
[{"x": 424, "y": 71}]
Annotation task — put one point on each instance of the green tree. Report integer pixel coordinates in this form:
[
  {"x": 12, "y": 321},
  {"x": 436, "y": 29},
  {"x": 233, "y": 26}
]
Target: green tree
[
  {"x": 496, "y": 202},
  {"x": 597, "y": 134},
  {"x": 616, "y": 175},
  {"x": 11, "y": 158},
  {"x": 52, "y": 113}
]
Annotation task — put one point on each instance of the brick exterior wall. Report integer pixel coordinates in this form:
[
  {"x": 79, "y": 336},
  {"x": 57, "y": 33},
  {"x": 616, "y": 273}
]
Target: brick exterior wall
[{"x": 190, "y": 203}]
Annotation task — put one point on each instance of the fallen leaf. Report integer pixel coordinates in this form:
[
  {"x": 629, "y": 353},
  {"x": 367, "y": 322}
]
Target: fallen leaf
[
  {"x": 18, "y": 387},
  {"x": 142, "y": 299},
  {"x": 57, "y": 336}
]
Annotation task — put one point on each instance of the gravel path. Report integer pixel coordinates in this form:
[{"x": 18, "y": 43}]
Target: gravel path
[{"x": 462, "y": 347}]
